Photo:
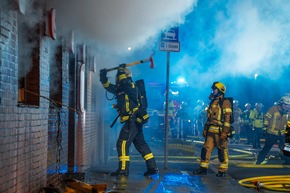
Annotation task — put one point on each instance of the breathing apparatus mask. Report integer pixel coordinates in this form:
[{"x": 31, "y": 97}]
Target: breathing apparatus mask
[{"x": 218, "y": 89}]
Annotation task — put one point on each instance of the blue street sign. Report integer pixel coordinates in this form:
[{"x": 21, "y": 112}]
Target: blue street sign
[
  {"x": 170, "y": 35},
  {"x": 169, "y": 40}
]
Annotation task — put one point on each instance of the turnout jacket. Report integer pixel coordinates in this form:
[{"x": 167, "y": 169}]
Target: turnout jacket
[
  {"x": 246, "y": 120},
  {"x": 219, "y": 115},
  {"x": 258, "y": 118},
  {"x": 276, "y": 120},
  {"x": 126, "y": 94}
]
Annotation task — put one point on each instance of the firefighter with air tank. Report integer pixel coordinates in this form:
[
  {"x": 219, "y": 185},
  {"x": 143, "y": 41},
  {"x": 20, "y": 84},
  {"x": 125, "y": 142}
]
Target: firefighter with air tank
[
  {"x": 216, "y": 130},
  {"x": 133, "y": 117}
]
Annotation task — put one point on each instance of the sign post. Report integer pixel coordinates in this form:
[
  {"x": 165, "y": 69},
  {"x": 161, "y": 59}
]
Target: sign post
[{"x": 170, "y": 43}]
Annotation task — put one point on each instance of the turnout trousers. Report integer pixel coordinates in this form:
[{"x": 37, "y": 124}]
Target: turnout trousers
[
  {"x": 270, "y": 140},
  {"x": 213, "y": 140},
  {"x": 132, "y": 132}
]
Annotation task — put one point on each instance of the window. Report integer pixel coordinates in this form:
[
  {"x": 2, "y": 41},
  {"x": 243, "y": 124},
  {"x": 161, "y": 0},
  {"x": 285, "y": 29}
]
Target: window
[{"x": 28, "y": 63}]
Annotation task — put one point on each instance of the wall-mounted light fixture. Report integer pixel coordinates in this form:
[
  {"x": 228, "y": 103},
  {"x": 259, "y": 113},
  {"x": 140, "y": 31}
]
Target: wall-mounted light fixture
[{"x": 50, "y": 29}]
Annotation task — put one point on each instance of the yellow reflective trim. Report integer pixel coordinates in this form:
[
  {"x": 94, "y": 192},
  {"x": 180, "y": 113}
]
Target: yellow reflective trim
[
  {"x": 124, "y": 118},
  {"x": 268, "y": 115},
  {"x": 122, "y": 76},
  {"x": 139, "y": 120},
  {"x": 223, "y": 166},
  {"x": 204, "y": 164},
  {"x": 227, "y": 110},
  {"x": 227, "y": 124},
  {"x": 124, "y": 158},
  {"x": 123, "y": 148},
  {"x": 214, "y": 129},
  {"x": 146, "y": 116},
  {"x": 127, "y": 103},
  {"x": 135, "y": 109},
  {"x": 148, "y": 156},
  {"x": 106, "y": 84}
]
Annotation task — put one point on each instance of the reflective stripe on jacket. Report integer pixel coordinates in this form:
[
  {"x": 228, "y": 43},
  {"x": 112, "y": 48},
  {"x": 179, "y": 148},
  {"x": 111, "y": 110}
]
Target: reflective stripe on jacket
[
  {"x": 214, "y": 115},
  {"x": 275, "y": 120},
  {"x": 258, "y": 118}
]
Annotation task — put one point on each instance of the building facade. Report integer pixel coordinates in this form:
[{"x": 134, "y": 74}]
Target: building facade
[{"x": 49, "y": 118}]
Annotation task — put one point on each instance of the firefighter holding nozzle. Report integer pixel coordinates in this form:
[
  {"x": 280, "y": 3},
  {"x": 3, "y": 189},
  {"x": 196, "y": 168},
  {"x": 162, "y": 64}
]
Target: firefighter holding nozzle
[{"x": 133, "y": 116}]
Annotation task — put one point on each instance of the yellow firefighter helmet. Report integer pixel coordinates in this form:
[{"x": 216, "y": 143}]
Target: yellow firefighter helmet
[{"x": 220, "y": 86}]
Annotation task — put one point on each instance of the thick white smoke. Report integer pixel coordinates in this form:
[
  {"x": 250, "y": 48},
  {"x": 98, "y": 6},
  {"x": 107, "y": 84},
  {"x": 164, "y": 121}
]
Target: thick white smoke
[
  {"x": 247, "y": 37},
  {"x": 118, "y": 24}
]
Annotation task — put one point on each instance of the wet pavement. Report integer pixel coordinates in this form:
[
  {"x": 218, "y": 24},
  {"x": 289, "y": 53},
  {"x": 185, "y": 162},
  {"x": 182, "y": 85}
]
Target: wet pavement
[
  {"x": 177, "y": 180},
  {"x": 178, "y": 177}
]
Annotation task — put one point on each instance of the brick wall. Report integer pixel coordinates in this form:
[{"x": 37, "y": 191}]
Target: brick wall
[
  {"x": 38, "y": 142},
  {"x": 23, "y": 131}
]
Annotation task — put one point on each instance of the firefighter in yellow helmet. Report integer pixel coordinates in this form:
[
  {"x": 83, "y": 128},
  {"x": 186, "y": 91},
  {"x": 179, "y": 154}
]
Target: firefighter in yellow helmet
[
  {"x": 275, "y": 122},
  {"x": 216, "y": 130},
  {"x": 128, "y": 107}
]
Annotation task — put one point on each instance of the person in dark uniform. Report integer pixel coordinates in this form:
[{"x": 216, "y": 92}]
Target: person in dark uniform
[
  {"x": 247, "y": 123},
  {"x": 257, "y": 117},
  {"x": 128, "y": 107}
]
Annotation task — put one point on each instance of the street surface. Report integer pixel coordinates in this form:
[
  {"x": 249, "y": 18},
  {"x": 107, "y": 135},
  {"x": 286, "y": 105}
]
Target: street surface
[{"x": 183, "y": 158}]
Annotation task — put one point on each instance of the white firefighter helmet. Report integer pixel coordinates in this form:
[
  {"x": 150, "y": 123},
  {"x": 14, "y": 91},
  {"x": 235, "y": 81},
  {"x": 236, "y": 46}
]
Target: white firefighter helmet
[
  {"x": 259, "y": 105},
  {"x": 236, "y": 102},
  {"x": 284, "y": 100}
]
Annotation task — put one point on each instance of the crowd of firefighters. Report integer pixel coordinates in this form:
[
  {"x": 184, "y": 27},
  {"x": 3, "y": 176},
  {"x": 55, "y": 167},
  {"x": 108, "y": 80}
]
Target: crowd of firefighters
[{"x": 185, "y": 121}]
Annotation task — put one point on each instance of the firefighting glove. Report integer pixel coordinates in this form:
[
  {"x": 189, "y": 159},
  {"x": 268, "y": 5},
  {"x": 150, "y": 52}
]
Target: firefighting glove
[{"x": 103, "y": 76}]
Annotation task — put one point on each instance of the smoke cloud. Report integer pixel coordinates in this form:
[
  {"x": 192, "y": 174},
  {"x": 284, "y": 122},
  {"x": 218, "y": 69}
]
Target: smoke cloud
[
  {"x": 220, "y": 40},
  {"x": 116, "y": 25},
  {"x": 242, "y": 38}
]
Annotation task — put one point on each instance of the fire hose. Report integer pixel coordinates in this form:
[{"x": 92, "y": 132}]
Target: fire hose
[{"x": 275, "y": 183}]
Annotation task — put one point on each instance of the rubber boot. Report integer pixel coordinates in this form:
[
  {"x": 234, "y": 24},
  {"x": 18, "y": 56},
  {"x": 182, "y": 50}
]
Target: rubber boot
[
  {"x": 151, "y": 167},
  {"x": 201, "y": 170},
  {"x": 221, "y": 174},
  {"x": 120, "y": 172}
]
